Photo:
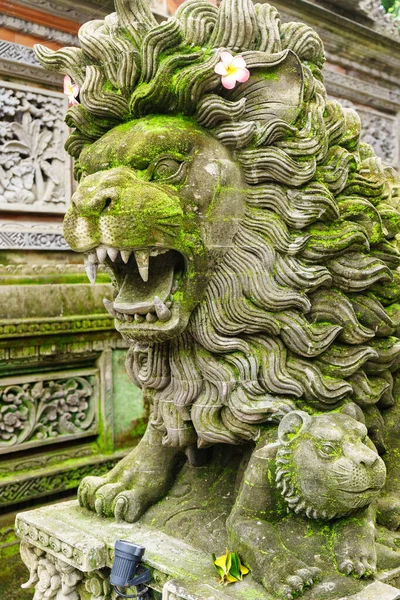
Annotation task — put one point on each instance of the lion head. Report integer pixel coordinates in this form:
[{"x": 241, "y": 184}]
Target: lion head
[
  {"x": 155, "y": 219},
  {"x": 249, "y": 234},
  {"x": 327, "y": 466}
]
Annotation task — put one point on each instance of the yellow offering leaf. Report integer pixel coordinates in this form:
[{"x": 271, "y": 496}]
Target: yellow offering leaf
[{"x": 229, "y": 567}]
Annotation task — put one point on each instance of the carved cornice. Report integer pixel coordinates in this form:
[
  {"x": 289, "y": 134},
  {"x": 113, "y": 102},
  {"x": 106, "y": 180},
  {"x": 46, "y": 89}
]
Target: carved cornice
[
  {"x": 16, "y": 52},
  {"x": 36, "y": 485},
  {"x": 353, "y": 40},
  {"x": 20, "y": 62},
  {"x": 51, "y": 326},
  {"x": 27, "y": 236},
  {"x": 66, "y": 9},
  {"x": 81, "y": 11},
  {"x": 55, "y": 351},
  {"x": 371, "y": 10},
  {"x": 365, "y": 92},
  {"x": 41, "y": 31}
]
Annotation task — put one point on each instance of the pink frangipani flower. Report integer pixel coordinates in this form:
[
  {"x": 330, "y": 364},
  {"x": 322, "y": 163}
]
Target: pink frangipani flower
[
  {"x": 233, "y": 70},
  {"x": 71, "y": 90}
]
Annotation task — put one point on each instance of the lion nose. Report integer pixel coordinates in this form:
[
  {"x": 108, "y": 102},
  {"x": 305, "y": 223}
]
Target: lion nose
[
  {"x": 94, "y": 200},
  {"x": 366, "y": 456}
]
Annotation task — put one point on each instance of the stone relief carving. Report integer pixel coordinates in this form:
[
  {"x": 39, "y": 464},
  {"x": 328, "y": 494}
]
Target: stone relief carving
[
  {"x": 383, "y": 134},
  {"x": 43, "y": 460},
  {"x": 34, "y": 173},
  {"x": 47, "y": 410},
  {"x": 52, "y": 577},
  {"x": 243, "y": 329},
  {"x": 70, "y": 10}
]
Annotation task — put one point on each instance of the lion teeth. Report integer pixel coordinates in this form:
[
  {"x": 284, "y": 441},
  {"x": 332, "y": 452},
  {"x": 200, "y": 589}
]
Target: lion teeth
[
  {"x": 157, "y": 251},
  {"x": 113, "y": 253},
  {"x": 142, "y": 259},
  {"x": 125, "y": 255},
  {"x": 163, "y": 313},
  {"x": 92, "y": 257},
  {"x": 151, "y": 317},
  {"x": 91, "y": 269},
  {"x": 109, "y": 307},
  {"x": 101, "y": 253}
]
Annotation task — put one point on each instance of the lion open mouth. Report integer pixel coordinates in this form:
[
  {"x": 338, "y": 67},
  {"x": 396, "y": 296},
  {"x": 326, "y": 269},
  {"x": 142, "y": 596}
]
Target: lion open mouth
[{"x": 146, "y": 280}]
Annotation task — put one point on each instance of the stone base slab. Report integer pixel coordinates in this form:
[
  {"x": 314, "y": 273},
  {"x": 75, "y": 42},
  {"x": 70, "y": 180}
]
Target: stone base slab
[{"x": 69, "y": 552}]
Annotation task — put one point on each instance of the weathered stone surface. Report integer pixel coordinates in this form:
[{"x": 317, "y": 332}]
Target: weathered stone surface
[{"x": 252, "y": 240}]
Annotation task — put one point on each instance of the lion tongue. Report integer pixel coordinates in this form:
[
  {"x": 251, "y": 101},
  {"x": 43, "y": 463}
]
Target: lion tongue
[{"x": 137, "y": 296}]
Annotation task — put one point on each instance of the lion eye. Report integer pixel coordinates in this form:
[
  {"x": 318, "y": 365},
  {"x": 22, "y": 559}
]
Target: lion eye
[
  {"x": 328, "y": 450},
  {"x": 165, "y": 168}
]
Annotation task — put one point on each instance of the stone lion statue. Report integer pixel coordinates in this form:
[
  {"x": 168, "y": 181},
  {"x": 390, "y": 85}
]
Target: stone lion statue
[{"x": 249, "y": 234}]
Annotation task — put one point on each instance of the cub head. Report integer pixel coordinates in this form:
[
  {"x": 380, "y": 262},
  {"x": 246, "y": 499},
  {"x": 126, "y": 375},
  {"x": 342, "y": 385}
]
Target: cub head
[{"x": 327, "y": 465}]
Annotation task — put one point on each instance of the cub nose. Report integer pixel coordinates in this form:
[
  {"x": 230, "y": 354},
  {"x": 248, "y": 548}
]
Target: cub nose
[{"x": 93, "y": 199}]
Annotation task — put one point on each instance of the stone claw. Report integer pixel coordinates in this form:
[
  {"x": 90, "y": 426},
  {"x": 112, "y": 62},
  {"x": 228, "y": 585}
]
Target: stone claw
[
  {"x": 296, "y": 583},
  {"x": 129, "y": 506},
  {"x": 358, "y": 567},
  {"x": 120, "y": 509},
  {"x": 302, "y": 578},
  {"x": 286, "y": 593},
  {"x": 98, "y": 506}
]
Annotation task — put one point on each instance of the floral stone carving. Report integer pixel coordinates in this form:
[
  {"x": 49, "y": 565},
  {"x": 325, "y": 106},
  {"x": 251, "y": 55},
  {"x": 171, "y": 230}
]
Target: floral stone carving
[
  {"x": 252, "y": 241},
  {"x": 34, "y": 173},
  {"x": 46, "y": 411}
]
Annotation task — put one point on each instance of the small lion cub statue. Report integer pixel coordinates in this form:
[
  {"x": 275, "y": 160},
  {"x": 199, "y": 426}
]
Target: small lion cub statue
[{"x": 303, "y": 508}]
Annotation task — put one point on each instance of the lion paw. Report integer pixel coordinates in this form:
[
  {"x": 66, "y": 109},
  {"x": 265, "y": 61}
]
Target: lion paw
[
  {"x": 360, "y": 567},
  {"x": 87, "y": 490},
  {"x": 358, "y": 561},
  {"x": 295, "y": 584},
  {"x": 141, "y": 479}
]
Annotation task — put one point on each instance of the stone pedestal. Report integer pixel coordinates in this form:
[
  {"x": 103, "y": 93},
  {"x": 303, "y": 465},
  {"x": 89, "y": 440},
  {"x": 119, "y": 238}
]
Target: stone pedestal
[{"x": 69, "y": 552}]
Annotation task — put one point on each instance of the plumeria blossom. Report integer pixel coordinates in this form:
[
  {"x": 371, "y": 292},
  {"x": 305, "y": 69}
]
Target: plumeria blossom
[
  {"x": 233, "y": 70},
  {"x": 71, "y": 90}
]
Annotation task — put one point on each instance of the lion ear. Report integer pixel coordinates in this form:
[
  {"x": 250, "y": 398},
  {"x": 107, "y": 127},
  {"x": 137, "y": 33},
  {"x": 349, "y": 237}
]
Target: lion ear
[
  {"x": 353, "y": 410},
  {"x": 292, "y": 425}
]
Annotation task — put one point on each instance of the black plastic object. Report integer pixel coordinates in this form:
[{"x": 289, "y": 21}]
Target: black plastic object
[{"x": 124, "y": 570}]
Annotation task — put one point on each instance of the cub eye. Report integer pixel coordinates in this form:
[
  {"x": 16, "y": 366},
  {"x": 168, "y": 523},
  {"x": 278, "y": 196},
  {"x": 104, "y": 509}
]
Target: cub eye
[
  {"x": 166, "y": 168},
  {"x": 328, "y": 450}
]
